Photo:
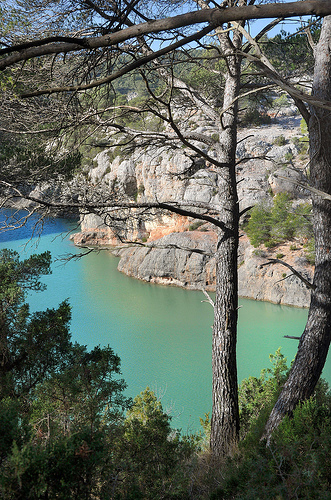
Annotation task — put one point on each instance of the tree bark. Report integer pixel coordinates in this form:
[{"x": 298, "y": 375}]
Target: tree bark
[
  {"x": 225, "y": 413},
  {"x": 315, "y": 340}
]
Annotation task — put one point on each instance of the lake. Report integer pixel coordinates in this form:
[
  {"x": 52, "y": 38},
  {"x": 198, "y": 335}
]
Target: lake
[{"x": 162, "y": 334}]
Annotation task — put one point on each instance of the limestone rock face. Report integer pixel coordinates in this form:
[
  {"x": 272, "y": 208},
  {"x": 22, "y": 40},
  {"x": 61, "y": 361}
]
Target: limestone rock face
[
  {"x": 173, "y": 260},
  {"x": 252, "y": 183},
  {"x": 273, "y": 283},
  {"x": 166, "y": 262},
  {"x": 285, "y": 180},
  {"x": 172, "y": 254}
]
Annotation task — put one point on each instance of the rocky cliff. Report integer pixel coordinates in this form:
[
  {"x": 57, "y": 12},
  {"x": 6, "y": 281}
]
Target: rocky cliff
[
  {"x": 268, "y": 163},
  {"x": 186, "y": 259}
]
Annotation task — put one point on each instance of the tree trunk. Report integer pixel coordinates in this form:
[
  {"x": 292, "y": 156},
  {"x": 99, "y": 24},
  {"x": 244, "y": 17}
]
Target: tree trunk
[
  {"x": 225, "y": 413},
  {"x": 315, "y": 340}
]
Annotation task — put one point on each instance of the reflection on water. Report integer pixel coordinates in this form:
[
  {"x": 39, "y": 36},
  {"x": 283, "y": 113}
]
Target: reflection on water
[{"x": 162, "y": 334}]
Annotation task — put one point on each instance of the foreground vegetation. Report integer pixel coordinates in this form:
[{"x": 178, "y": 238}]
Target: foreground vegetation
[{"x": 67, "y": 431}]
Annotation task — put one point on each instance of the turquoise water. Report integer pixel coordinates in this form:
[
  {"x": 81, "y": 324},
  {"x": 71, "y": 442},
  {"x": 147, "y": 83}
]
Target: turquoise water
[{"x": 162, "y": 334}]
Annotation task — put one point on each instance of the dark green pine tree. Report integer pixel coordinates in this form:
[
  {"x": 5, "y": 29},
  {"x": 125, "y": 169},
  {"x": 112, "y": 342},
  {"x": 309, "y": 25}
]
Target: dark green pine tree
[{"x": 31, "y": 345}]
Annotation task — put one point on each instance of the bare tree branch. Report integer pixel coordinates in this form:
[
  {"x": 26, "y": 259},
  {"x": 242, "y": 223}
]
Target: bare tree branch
[
  {"x": 308, "y": 284},
  {"x": 90, "y": 206},
  {"x": 214, "y": 17},
  {"x": 209, "y": 299},
  {"x": 317, "y": 192}
]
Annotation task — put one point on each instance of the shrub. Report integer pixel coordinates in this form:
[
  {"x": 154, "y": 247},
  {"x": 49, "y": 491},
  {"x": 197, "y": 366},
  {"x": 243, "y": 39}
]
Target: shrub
[
  {"x": 281, "y": 101},
  {"x": 303, "y": 127},
  {"x": 273, "y": 225},
  {"x": 301, "y": 143},
  {"x": 195, "y": 225},
  {"x": 289, "y": 156},
  {"x": 258, "y": 394},
  {"x": 150, "y": 452},
  {"x": 296, "y": 464},
  {"x": 259, "y": 225},
  {"x": 309, "y": 248},
  {"x": 254, "y": 117},
  {"x": 279, "y": 141}
]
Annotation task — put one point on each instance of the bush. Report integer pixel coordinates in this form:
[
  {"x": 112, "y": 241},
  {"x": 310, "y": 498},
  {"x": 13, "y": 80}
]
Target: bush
[
  {"x": 309, "y": 248},
  {"x": 303, "y": 127},
  {"x": 195, "y": 225},
  {"x": 151, "y": 451},
  {"x": 289, "y": 157},
  {"x": 297, "y": 463},
  {"x": 301, "y": 143},
  {"x": 256, "y": 395},
  {"x": 279, "y": 141},
  {"x": 254, "y": 117},
  {"x": 281, "y": 101},
  {"x": 273, "y": 225},
  {"x": 259, "y": 225}
]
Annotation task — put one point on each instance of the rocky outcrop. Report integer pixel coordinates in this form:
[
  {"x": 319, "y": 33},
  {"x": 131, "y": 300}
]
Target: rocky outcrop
[
  {"x": 274, "y": 282},
  {"x": 167, "y": 261},
  {"x": 59, "y": 190},
  {"x": 267, "y": 164},
  {"x": 181, "y": 259}
]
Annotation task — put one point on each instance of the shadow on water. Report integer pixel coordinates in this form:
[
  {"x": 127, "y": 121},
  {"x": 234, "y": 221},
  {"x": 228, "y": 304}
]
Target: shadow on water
[{"x": 18, "y": 225}]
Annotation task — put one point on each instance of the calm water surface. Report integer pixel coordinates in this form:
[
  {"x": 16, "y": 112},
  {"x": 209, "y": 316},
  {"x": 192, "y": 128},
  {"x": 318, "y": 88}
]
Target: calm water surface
[{"x": 162, "y": 334}]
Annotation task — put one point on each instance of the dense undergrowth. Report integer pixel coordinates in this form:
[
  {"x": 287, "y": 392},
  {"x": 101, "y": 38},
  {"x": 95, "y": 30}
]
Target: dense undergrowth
[
  {"x": 67, "y": 430},
  {"x": 142, "y": 457},
  {"x": 297, "y": 462}
]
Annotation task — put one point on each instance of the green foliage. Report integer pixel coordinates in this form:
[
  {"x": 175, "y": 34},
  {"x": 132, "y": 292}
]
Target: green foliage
[
  {"x": 205, "y": 74},
  {"x": 63, "y": 432},
  {"x": 32, "y": 345},
  {"x": 289, "y": 156},
  {"x": 16, "y": 275},
  {"x": 85, "y": 394},
  {"x": 281, "y": 101},
  {"x": 254, "y": 116},
  {"x": 195, "y": 225},
  {"x": 309, "y": 248},
  {"x": 257, "y": 395},
  {"x": 27, "y": 161},
  {"x": 288, "y": 53},
  {"x": 280, "y": 222},
  {"x": 304, "y": 127},
  {"x": 280, "y": 141},
  {"x": 10, "y": 428},
  {"x": 152, "y": 451},
  {"x": 67, "y": 468},
  {"x": 206, "y": 430},
  {"x": 296, "y": 464},
  {"x": 301, "y": 143}
]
